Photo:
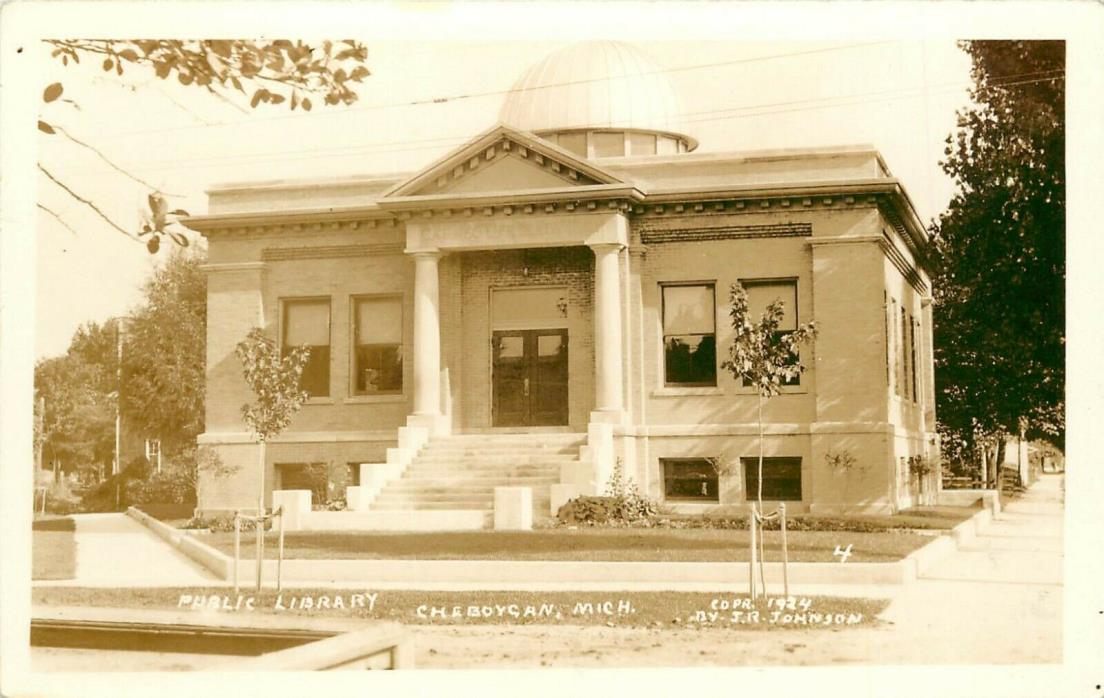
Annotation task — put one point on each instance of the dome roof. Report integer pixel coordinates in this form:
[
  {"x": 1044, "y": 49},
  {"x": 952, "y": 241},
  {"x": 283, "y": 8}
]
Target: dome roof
[{"x": 594, "y": 84}]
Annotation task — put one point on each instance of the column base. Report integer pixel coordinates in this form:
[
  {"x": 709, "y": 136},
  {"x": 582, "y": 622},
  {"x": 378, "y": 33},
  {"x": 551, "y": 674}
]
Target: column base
[
  {"x": 608, "y": 417},
  {"x": 435, "y": 424}
]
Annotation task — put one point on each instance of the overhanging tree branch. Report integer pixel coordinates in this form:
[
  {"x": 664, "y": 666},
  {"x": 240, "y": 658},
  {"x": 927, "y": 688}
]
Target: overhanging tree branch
[
  {"x": 86, "y": 202},
  {"x": 59, "y": 218},
  {"x": 107, "y": 160}
]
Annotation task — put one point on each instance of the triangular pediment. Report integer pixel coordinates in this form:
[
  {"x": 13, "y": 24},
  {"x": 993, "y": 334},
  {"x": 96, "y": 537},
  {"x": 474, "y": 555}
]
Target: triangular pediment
[{"x": 503, "y": 159}]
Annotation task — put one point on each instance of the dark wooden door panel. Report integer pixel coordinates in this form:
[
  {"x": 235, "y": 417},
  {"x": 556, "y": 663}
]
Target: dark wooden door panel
[
  {"x": 510, "y": 372},
  {"x": 548, "y": 389},
  {"x": 529, "y": 378}
]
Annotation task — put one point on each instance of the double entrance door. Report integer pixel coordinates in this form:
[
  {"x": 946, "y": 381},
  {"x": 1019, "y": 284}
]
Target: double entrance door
[{"x": 529, "y": 377}]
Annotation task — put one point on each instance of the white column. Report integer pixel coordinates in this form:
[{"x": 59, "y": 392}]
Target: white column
[
  {"x": 607, "y": 327},
  {"x": 427, "y": 335}
]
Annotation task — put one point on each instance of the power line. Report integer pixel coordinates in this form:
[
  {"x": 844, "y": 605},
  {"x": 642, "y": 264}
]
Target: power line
[
  {"x": 434, "y": 101},
  {"x": 765, "y": 109}
]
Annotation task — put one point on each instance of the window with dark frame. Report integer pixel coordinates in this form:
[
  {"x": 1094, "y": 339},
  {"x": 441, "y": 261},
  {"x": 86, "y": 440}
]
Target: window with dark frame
[
  {"x": 689, "y": 479},
  {"x": 303, "y": 476},
  {"x": 915, "y": 366},
  {"x": 781, "y": 478},
  {"x": 377, "y": 351},
  {"x": 762, "y": 293},
  {"x": 306, "y": 322},
  {"x": 896, "y": 349},
  {"x": 689, "y": 335},
  {"x": 352, "y": 474},
  {"x": 902, "y": 342},
  {"x": 888, "y": 334}
]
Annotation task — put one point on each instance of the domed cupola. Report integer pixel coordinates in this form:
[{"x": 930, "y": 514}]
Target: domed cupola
[{"x": 599, "y": 99}]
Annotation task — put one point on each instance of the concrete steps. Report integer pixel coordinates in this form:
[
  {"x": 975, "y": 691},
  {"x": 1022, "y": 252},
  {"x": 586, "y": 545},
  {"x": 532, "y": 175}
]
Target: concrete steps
[{"x": 460, "y": 472}]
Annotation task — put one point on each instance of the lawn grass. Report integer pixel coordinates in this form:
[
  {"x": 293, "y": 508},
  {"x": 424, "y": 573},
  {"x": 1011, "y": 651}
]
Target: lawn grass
[
  {"x": 626, "y": 609},
  {"x": 53, "y": 548},
  {"x": 589, "y": 544},
  {"x": 931, "y": 518}
]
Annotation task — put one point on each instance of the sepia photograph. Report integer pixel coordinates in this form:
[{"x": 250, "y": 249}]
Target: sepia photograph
[{"x": 430, "y": 337}]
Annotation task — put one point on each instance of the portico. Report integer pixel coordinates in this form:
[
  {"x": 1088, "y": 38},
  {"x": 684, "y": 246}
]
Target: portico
[{"x": 428, "y": 242}]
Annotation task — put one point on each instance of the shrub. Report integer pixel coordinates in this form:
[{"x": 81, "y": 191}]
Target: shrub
[
  {"x": 170, "y": 486},
  {"x": 223, "y": 523},
  {"x": 588, "y": 510},
  {"x": 622, "y": 505}
]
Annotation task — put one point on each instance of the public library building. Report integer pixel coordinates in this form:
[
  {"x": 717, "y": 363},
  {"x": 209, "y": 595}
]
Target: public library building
[{"x": 551, "y": 299}]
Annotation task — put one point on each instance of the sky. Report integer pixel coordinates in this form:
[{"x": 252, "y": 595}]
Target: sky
[{"x": 900, "y": 96}]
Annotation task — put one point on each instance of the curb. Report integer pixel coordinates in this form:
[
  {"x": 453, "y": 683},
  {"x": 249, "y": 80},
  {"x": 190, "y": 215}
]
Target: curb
[
  {"x": 922, "y": 559},
  {"x": 214, "y": 560},
  {"x": 493, "y": 572}
]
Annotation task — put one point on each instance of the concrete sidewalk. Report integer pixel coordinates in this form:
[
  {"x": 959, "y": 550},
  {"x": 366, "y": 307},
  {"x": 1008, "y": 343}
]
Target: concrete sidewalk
[
  {"x": 114, "y": 550},
  {"x": 998, "y": 599}
]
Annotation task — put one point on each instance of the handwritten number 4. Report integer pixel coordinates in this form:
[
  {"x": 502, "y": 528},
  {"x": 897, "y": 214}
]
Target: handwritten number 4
[{"x": 843, "y": 554}]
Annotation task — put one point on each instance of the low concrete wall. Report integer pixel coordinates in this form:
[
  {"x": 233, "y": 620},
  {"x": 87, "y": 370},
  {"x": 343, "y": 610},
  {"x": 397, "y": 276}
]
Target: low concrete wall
[
  {"x": 214, "y": 560},
  {"x": 990, "y": 499}
]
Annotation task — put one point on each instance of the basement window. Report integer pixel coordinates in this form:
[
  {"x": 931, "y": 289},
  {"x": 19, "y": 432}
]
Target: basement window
[
  {"x": 781, "y": 479},
  {"x": 689, "y": 479}
]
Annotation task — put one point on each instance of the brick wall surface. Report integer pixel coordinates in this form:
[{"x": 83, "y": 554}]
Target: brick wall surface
[{"x": 480, "y": 272}]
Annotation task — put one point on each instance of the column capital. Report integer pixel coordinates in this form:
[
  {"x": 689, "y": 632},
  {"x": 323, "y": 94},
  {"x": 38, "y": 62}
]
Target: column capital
[
  {"x": 425, "y": 254},
  {"x": 602, "y": 247}
]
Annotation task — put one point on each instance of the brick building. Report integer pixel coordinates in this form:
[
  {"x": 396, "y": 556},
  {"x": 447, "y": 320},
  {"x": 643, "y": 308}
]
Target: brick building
[{"x": 552, "y": 297}]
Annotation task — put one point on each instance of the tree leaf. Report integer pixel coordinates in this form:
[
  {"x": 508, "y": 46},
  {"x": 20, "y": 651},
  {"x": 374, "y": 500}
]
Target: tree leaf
[
  {"x": 306, "y": 103},
  {"x": 45, "y": 127},
  {"x": 220, "y": 47},
  {"x": 52, "y": 92},
  {"x": 108, "y": 64},
  {"x": 128, "y": 54}
]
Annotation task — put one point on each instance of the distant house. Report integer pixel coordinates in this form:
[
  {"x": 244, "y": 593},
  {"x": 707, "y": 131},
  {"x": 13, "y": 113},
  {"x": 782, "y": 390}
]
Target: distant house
[{"x": 552, "y": 297}]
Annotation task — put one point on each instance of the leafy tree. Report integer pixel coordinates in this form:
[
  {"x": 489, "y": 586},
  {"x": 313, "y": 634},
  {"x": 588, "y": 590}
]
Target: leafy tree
[
  {"x": 77, "y": 408},
  {"x": 164, "y": 358},
  {"x": 999, "y": 280},
  {"x": 274, "y": 380},
  {"x": 273, "y": 72},
  {"x": 763, "y": 356}
]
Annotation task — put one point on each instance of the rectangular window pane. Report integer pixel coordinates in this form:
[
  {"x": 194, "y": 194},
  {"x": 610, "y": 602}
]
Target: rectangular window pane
[
  {"x": 691, "y": 360},
  {"x": 688, "y": 310},
  {"x": 760, "y": 295},
  {"x": 307, "y": 323},
  {"x": 608, "y": 145},
  {"x": 574, "y": 142},
  {"x": 781, "y": 479},
  {"x": 689, "y": 478},
  {"x": 902, "y": 363},
  {"x": 352, "y": 474},
  {"x": 642, "y": 144},
  {"x": 689, "y": 340},
  {"x": 915, "y": 352},
  {"x": 378, "y": 352},
  {"x": 379, "y": 321},
  {"x": 666, "y": 145},
  {"x": 304, "y": 476}
]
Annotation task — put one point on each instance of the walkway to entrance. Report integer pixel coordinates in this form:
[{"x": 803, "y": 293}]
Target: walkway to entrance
[{"x": 114, "y": 550}]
